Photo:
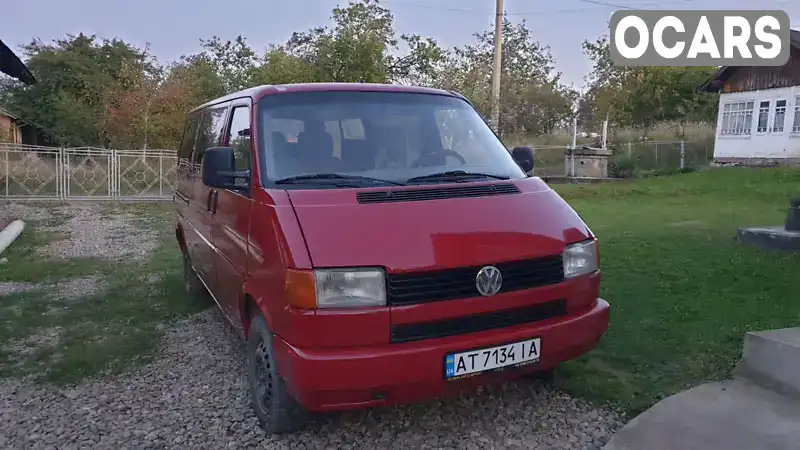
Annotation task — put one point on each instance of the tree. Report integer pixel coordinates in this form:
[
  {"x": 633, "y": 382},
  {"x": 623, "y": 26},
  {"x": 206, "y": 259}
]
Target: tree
[
  {"x": 131, "y": 120},
  {"x": 234, "y": 62},
  {"x": 532, "y": 100},
  {"x": 643, "y": 96},
  {"x": 362, "y": 46},
  {"x": 76, "y": 76}
]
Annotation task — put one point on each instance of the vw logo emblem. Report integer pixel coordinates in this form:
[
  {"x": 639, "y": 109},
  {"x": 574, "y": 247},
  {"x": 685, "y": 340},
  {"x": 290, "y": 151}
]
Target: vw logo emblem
[{"x": 488, "y": 281}]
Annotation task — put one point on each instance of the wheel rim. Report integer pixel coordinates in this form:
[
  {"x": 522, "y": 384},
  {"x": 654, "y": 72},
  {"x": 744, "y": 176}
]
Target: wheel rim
[{"x": 263, "y": 377}]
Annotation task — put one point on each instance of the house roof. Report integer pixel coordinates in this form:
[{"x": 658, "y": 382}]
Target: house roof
[
  {"x": 715, "y": 82},
  {"x": 3, "y": 112},
  {"x": 11, "y": 65}
]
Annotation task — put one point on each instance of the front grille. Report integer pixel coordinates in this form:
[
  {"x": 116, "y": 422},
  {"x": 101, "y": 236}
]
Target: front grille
[
  {"x": 449, "y": 284},
  {"x": 480, "y": 322},
  {"x": 439, "y": 193}
]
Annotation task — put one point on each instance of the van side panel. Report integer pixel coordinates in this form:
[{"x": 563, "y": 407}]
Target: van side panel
[
  {"x": 231, "y": 222},
  {"x": 191, "y": 206},
  {"x": 185, "y": 173}
]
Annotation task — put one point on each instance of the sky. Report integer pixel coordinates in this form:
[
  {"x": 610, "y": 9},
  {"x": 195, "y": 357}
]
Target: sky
[{"x": 173, "y": 27}]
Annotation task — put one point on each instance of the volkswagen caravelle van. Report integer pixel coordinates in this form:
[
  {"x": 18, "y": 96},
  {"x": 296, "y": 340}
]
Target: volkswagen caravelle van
[{"x": 376, "y": 245}]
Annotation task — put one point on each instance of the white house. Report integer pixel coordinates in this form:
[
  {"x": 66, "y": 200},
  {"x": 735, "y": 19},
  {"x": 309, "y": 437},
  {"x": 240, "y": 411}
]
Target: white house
[{"x": 759, "y": 112}]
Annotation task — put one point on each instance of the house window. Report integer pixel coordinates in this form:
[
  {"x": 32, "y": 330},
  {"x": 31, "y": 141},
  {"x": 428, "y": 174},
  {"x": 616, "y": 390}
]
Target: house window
[
  {"x": 737, "y": 119},
  {"x": 780, "y": 116},
  {"x": 763, "y": 117},
  {"x": 796, "y": 124}
]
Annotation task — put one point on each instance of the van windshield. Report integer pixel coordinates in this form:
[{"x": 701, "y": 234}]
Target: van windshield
[{"x": 337, "y": 138}]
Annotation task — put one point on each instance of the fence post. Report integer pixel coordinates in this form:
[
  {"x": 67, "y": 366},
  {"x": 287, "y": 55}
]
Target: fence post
[
  {"x": 112, "y": 184},
  {"x": 573, "y": 145},
  {"x": 682, "y": 154},
  {"x": 630, "y": 151},
  {"x": 161, "y": 174},
  {"x": 63, "y": 169},
  {"x": 574, "y": 131},
  {"x": 7, "y": 175},
  {"x": 656, "y": 151}
]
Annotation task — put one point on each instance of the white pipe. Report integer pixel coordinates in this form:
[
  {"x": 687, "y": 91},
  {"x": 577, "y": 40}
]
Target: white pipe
[{"x": 10, "y": 234}]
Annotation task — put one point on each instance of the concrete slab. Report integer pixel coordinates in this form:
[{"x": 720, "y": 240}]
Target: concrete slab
[
  {"x": 728, "y": 415},
  {"x": 772, "y": 359},
  {"x": 770, "y": 238}
]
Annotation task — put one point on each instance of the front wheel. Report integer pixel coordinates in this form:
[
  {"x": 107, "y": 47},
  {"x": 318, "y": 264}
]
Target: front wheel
[{"x": 275, "y": 408}]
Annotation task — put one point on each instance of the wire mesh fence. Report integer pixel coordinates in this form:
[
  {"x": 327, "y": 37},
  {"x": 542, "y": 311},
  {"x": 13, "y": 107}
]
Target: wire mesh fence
[
  {"x": 663, "y": 155},
  {"x": 629, "y": 158}
]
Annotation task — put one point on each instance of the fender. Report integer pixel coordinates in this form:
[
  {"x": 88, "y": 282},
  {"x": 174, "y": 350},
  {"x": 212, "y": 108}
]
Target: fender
[{"x": 252, "y": 290}]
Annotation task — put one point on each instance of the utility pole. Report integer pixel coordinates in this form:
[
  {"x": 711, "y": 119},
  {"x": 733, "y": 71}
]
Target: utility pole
[{"x": 498, "y": 50}]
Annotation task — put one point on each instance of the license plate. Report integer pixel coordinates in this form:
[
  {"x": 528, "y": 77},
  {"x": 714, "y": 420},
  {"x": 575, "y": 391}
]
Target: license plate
[{"x": 460, "y": 365}]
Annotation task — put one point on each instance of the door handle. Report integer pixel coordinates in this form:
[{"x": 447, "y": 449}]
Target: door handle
[
  {"x": 208, "y": 200},
  {"x": 214, "y": 202}
]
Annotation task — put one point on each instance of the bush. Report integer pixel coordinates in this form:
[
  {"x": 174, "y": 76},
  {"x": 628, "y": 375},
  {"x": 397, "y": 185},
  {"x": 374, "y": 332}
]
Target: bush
[{"x": 622, "y": 167}]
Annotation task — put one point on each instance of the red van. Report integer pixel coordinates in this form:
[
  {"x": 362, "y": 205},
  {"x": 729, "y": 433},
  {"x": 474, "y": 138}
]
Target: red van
[{"x": 377, "y": 244}]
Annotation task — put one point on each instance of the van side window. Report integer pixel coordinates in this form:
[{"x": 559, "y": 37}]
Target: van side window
[
  {"x": 187, "y": 142},
  {"x": 210, "y": 134},
  {"x": 239, "y": 137}
]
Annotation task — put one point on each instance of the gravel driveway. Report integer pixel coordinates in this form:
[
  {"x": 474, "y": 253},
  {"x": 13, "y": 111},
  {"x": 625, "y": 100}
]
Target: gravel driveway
[{"x": 194, "y": 396}]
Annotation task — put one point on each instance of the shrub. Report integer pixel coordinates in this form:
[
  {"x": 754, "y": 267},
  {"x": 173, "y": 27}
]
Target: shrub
[{"x": 622, "y": 167}]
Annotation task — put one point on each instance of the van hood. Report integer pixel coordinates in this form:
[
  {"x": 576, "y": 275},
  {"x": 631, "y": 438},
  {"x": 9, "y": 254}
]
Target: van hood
[{"x": 418, "y": 235}]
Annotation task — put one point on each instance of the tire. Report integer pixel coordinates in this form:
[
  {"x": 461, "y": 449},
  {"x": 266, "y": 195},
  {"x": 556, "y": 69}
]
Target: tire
[
  {"x": 277, "y": 411},
  {"x": 191, "y": 282}
]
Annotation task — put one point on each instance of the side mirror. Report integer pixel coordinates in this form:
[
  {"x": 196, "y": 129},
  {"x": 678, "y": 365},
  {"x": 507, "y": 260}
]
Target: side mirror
[
  {"x": 218, "y": 170},
  {"x": 524, "y": 158}
]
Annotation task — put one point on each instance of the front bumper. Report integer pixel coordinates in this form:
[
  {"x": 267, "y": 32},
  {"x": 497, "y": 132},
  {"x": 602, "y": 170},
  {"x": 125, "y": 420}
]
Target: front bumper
[{"x": 330, "y": 379}]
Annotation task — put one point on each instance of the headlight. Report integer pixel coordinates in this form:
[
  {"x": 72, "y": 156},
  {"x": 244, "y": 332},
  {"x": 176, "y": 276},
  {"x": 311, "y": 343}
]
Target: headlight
[
  {"x": 580, "y": 259},
  {"x": 350, "y": 288}
]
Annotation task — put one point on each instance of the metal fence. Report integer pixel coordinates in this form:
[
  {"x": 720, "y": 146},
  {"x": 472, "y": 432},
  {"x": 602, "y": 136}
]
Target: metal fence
[
  {"x": 665, "y": 155},
  {"x": 643, "y": 156},
  {"x": 86, "y": 173}
]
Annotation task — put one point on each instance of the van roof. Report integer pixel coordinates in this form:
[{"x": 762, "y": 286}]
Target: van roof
[{"x": 258, "y": 92}]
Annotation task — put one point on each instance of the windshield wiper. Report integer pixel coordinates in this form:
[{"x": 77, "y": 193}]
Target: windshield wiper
[
  {"x": 454, "y": 175},
  {"x": 334, "y": 177}
]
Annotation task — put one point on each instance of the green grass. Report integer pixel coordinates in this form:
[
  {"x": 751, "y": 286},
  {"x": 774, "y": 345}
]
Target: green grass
[
  {"x": 102, "y": 332},
  {"x": 683, "y": 292}
]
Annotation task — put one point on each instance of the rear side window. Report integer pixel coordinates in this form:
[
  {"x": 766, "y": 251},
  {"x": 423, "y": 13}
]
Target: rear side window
[
  {"x": 187, "y": 142},
  {"x": 210, "y": 134},
  {"x": 239, "y": 136}
]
